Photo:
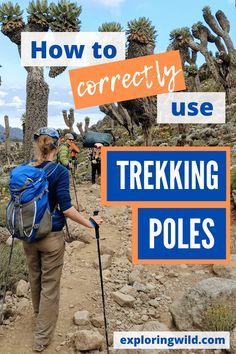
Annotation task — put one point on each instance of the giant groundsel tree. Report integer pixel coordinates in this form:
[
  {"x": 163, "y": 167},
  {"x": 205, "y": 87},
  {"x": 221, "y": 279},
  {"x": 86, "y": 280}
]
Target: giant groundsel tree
[
  {"x": 141, "y": 37},
  {"x": 60, "y": 17}
]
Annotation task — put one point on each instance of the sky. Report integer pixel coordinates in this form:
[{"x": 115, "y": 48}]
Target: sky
[{"x": 166, "y": 15}]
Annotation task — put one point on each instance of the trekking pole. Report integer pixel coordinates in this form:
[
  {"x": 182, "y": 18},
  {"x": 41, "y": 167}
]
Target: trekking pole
[
  {"x": 6, "y": 283},
  {"x": 96, "y": 226},
  {"x": 74, "y": 186}
]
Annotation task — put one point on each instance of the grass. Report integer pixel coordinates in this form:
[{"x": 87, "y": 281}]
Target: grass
[
  {"x": 220, "y": 317},
  {"x": 18, "y": 269},
  {"x": 3, "y": 205}
]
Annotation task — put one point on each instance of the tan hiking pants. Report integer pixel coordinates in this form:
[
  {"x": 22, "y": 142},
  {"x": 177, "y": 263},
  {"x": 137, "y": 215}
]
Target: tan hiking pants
[{"x": 45, "y": 262}]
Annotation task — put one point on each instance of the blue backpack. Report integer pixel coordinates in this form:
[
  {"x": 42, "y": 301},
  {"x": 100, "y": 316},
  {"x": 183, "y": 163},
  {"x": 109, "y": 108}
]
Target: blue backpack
[{"x": 28, "y": 215}]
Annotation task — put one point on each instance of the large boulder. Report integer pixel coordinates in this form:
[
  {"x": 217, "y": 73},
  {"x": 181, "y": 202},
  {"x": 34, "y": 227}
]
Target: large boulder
[
  {"x": 86, "y": 340},
  {"x": 226, "y": 270},
  {"x": 22, "y": 288},
  {"x": 189, "y": 312}
]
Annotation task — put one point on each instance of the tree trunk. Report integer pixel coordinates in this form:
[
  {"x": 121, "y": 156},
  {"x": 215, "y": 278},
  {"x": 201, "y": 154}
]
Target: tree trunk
[
  {"x": 197, "y": 83},
  {"x": 147, "y": 133},
  {"x": 7, "y": 138},
  {"x": 231, "y": 81},
  {"x": 37, "y": 92}
]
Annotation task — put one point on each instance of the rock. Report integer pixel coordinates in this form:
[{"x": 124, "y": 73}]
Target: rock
[
  {"x": 23, "y": 305},
  {"x": 106, "y": 261},
  {"x": 144, "y": 318},
  {"x": 129, "y": 290},
  {"x": 4, "y": 234},
  {"x": 154, "y": 326},
  {"x": 22, "y": 288},
  {"x": 85, "y": 340},
  {"x": 9, "y": 241},
  {"x": 154, "y": 303},
  {"x": 140, "y": 287},
  {"x": 123, "y": 299},
  {"x": 233, "y": 341},
  {"x": 81, "y": 318},
  {"x": 134, "y": 276},
  {"x": 189, "y": 311},
  {"x": 106, "y": 250},
  {"x": 77, "y": 245},
  {"x": 226, "y": 270},
  {"x": 97, "y": 321}
]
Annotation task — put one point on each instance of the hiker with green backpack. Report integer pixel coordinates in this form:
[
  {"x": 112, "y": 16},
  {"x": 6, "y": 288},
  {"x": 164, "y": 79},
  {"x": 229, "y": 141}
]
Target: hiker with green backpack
[{"x": 40, "y": 202}]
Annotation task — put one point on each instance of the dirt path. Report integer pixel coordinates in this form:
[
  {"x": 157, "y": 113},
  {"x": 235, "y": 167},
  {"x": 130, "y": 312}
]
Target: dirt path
[{"x": 80, "y": 285}]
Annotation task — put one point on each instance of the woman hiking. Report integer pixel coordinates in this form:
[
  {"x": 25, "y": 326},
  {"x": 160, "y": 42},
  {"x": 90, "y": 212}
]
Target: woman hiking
[{"x": 45, "y": 256}]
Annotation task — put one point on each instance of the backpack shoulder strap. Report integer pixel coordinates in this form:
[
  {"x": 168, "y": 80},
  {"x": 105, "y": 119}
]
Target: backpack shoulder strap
[{"x": 47, "y": 168}]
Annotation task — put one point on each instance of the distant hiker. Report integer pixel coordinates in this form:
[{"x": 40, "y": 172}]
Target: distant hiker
[
  {"x": 45, "y": 255},
  {"x": 67, "y": 151},
  {"x": 95, "y": 158},
  {"x": 74, "y": 150},
  {"x": 61, "y": 137}
]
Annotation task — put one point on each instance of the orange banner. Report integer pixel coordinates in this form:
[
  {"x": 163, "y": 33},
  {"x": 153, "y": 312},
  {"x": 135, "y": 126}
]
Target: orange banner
[{"x": 127, "y": 79}]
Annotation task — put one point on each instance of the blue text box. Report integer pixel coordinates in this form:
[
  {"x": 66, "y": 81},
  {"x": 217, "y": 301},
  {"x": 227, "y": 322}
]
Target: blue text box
[
  {"x": 169, "y": 175},
  {"x": 182, "y": 234}
]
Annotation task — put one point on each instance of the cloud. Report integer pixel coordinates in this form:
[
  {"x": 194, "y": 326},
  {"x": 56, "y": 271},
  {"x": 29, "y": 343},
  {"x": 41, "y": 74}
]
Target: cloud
[
  {"x": 59, "y": 104},
  {"x": 3, "y": 93},
  {"x": 110, "y": 3},
  {"x": 16, "y": 102}
]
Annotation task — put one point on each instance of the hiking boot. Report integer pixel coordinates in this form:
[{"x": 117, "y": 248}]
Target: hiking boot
[{"x": 39, "y": 347}]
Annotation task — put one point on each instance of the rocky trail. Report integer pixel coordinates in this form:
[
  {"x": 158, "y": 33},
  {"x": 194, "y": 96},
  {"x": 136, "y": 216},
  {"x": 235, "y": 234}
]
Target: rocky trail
[{"x": 138, "y": 297}]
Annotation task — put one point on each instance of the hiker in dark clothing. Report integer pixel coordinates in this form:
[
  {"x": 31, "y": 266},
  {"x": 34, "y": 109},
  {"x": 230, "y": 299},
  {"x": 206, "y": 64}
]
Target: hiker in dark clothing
[
  {"x": 45, "y": 256},
  {"x": 95, "y": 158}
]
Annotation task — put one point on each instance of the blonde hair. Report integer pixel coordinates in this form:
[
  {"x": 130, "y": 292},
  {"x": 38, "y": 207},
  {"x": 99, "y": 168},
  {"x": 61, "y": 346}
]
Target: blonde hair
[{"x": 42, "y": 148}]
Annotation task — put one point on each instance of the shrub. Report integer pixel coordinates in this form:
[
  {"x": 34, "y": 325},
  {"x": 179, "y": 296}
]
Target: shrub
[
  {"x": 220, "y": 317},
  {"x": 18, "y": 268},
  {"x": 3, "y": 205}
]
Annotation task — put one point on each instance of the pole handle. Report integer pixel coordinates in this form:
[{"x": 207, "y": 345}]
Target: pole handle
[{"x": 96, "y": 226}]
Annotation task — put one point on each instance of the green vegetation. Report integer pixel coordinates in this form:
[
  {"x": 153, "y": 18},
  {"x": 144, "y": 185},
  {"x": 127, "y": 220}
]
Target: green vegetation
[
  {"x": 3, "y": 205},
  {"x": 18, "y": 268},
  {"x": 220, "y": 317}
]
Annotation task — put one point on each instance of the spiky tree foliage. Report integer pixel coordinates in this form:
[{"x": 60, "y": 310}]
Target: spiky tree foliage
[
  {"x": 62, "y": 17},
  {"x": 12, "y": 21},
  {"x": 141, "y": 36},
  {"x": 110, "y": 27},
  {"x": 38, "y": 15},
  {"x": 65, "y": 16}
]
